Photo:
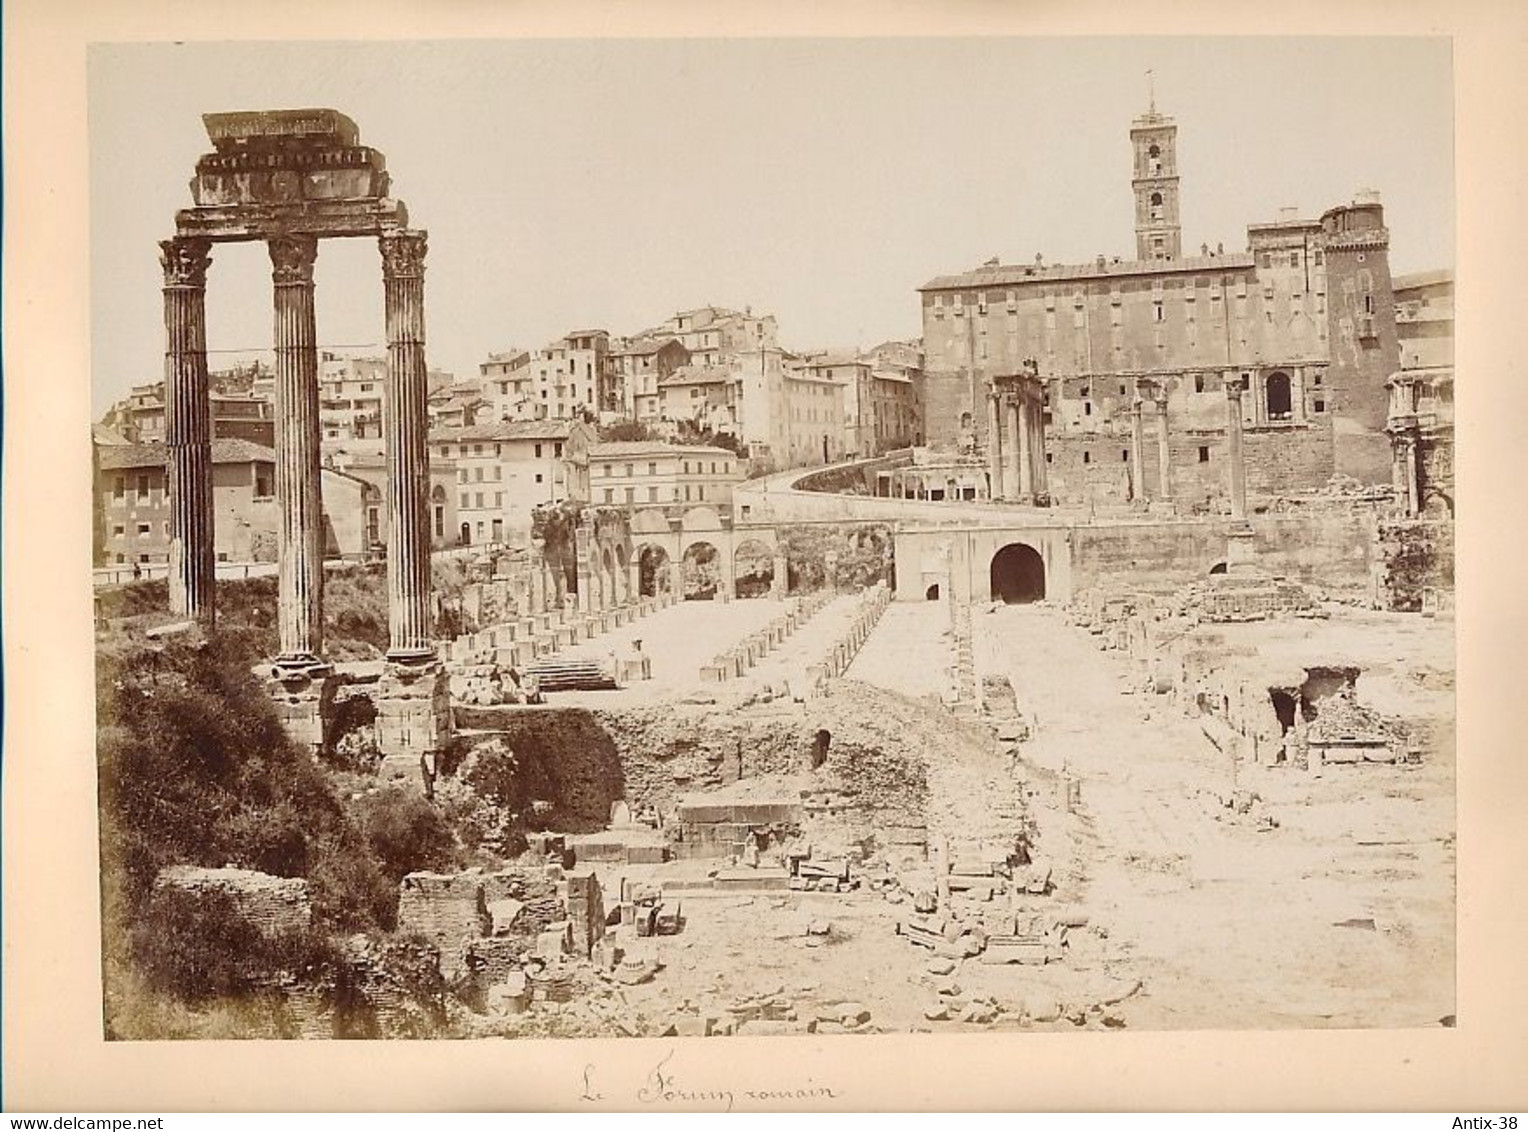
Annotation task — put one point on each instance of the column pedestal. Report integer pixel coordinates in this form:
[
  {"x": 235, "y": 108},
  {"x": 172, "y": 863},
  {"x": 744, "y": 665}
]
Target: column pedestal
[
  {"x": 413, "y": 702},
  {"x": 303, "y": 696}
]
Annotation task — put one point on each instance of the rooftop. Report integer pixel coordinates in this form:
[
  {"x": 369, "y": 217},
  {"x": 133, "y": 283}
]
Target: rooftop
[
  {"x": 697, "y": 375},
  {"x": 117, "y": 456},
  {"x": 1006, "y": 274},
  {"x": 654, "y": 448},
  {"x": 1434, "y": 278},
  {"x": 506, "y": 430}
]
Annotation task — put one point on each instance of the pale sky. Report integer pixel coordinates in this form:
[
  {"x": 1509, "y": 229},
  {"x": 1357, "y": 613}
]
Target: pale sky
[{"x": 608, "y": 183}]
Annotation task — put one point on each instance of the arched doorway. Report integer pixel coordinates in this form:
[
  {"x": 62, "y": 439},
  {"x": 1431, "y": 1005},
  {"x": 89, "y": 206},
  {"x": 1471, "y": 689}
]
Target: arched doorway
[
  {"x": 653, "y": 570},
  {"x": 701, "y": 567},
  {"x": 1276, "y": 395},
  {"x": 466, "y": 534},
  {"x": 1218, "y": 568},
  {"x": 1017, "y": 575},
  {"x": 932, "y": 593},
  {"x": 753, "y": 568}
]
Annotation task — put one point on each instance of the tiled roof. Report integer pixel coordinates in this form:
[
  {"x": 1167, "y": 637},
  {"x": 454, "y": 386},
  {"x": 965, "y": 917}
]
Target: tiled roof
[
  {"x": 653, "y": 448},
  {"x": 697, "y": 375},
  {"x": 506, "y": 430},
  {"x": 1015, "y": 273},
  {"x": 1422, "y": 279},
  {"x": 645, "y": 345},
  {"x": 157, "y": 455}
]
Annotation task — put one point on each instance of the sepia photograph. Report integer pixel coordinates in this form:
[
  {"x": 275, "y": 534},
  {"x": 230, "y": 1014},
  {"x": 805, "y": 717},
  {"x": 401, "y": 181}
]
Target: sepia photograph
[{"x": 700, "y": 538}]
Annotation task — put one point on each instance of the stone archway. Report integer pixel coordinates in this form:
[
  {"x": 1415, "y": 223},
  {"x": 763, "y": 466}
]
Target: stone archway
[
  {"x": 753, "y": 569},
  {"x": 1218, "y": 568},
  {"x": 1017, "y": 574},
  {"x": 700, "y": 569},
  {"x": 932, "y": 593},
  {"x": 653, "y": 573}
]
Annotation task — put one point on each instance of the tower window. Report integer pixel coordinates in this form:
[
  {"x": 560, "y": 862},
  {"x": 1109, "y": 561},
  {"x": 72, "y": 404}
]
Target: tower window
[
  {"x": 1199, "y": 383},
  {"x": 1087, "y": 457},
  {"x": 1157, "y": 311},
  {"x": 1204, "y": 454}
]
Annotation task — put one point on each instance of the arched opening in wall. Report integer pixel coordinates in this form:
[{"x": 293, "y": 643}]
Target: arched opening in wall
[
  {"x": 1218, "y": 568},
  {"x": 1017, "y": 574},
  {"x": 653, "y": 574},
  {"x": 701, "y": 567},
  {"x": 820, "y": 743},
  {"x": 1284, "y": 708},
  {"x": 753, "y": 569},
  {"x": 932, "y": 593},
  {"x": 965, "y": 422},
  {"x": 1156, "y": 206},
  {"x": 1276, "y": 395},
  {"x": 466, "y": 534}
]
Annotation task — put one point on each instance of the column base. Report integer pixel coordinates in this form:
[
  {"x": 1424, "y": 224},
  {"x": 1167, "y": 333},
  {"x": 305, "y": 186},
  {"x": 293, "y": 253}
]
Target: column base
[
  {"x": 413, "y": 701},
  {"x": 302, "y": 689},
  {"x": 1241, "y": 549}
]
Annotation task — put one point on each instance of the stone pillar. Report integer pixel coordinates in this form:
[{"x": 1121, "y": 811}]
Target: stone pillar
[
  {"x": 780, "y": 582},
  {"x": 1011, "y": 449},
  {"x": 583, "y": 539},
  {"x": 188, "y": 438},
  {"x": 1022, "y": 412},
  {"x": 405, "y": 426},
  {"x": 1413, "y": 494},
  {"x": 299, "y": 499},
  {"x": 676, "y": 578},
  {"x": 994, "y": 446},
  {"x": 1297, "y": 394},
  {"x": 1042, "y": 469},
  {"x": 1164, "y": 451},
  {"x": 1137, "y": 453},
  {"x": 538, "y": 576},
  {"x": 634, "y": 577},
  {"x": 1237, "y": 474},
  {"x": 830, "y": 571}
]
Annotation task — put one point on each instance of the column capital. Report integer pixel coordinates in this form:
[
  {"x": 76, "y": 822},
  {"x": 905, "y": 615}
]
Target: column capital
[
  {"x": 1235, "y": 387},
  {"x": 185, "y": 260},
  {"x": 292, "y": 258},
  {"x": 403, "y": 253}
]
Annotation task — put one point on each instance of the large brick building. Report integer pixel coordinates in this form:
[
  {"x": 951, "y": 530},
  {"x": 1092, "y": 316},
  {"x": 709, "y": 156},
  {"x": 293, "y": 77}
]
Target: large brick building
[{"x": 1304, "y": 316}]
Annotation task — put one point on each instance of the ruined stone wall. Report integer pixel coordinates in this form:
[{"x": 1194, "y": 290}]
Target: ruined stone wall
[
  {"x": 272, "y": 904},
  {"x": 1415, "y": 554}
]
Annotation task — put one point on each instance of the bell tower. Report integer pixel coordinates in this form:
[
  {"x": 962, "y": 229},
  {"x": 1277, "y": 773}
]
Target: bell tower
[{"x": 1154, "y": 138}]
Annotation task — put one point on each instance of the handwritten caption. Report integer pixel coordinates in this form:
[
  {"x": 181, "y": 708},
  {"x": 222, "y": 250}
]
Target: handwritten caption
[{"x": 662, "y": 1088}]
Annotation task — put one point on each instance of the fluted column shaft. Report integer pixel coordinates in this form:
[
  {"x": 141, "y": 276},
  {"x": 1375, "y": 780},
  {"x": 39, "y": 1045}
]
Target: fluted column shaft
[
  {"x": 1237, "y": 474},
  {"x": 1011, "y": 449},
  {"x": 1137, "y": 455},
  {"x": 405, "y": 424},
  {"x": 994, "y": 446},
  {"x": 1413, "y": 492},
  {"x": 299, "y": 498},
  {"x": 1026, "y": 453},
  {"x": 1042, "y": 471},
  {"x": 188, "y": 428},
  {"x": 1164, "y": 453}
]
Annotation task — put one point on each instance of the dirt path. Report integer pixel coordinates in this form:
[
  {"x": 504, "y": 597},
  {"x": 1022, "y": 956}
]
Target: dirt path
[{"x": 1229, "y": 925}]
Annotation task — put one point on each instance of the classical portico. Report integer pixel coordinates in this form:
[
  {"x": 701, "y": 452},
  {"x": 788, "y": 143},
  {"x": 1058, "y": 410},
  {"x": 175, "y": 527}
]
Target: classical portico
[
  {"x": 1016, "y": 438},
  {"x": 291, "y": 178}
]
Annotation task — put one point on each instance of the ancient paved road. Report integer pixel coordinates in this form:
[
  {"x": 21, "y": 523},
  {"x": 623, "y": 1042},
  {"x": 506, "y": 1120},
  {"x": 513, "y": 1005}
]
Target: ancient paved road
[{"x": 1229, "y": 925}]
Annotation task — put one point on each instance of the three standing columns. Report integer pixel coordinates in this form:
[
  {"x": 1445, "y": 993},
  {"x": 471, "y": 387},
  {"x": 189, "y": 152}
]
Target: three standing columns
[
  {"x": 188, "y": 427},
  {"x": 405, "y": 424},
  {"x": 299, "y": 497}
]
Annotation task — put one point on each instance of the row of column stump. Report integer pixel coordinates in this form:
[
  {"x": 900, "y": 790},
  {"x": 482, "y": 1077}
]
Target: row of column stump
[
  {"x": 735, "y": 662},
  {"x": 838, "y": 658}
]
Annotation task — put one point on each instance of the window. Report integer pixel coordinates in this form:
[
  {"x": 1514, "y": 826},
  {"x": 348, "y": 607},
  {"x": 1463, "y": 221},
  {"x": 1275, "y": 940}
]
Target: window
[
  {"x": 440, "y": 522},
  {"x": 498, "y": 499},
  {"x": 652, "y": 468},
  {"x": 498, "y": 472},
  {"x": 686, "y": 467},
  {"x": 538, "y": 451},
  {"x": 1320, "y": 405},
  {"x": 119, "y": 487},
  {"x": 628, "y": 470},
  {"x": 1294, "y": 259},
  {"x": 538, "y": 477},
  {"x": 1199, "y": 383},
  {"x": 652, "y": 495},
  {"x": 1204, "y": 454},
  {"x": 477, "y": 499},
  {"x": 365, "y": 387},
  {"x": 557, "y": 449},
  {"x": 143, "y": 487},
  {"x": 1318, "y": 377},
  {"x": 610, "y": 495},
  {"x": 1157, "y": 312},
  {"x": 143, "y": 530},
  {"x": 461, "y": 475},
  {"x": 1087, "y": 457},
  {"x": 463, "y": 504},
  {"x": 631, "y": 495},
  {"x": 1087, "y": 408},
  {"x": 477, "y": 449},
  {"x": 1124, "y": 455},
  {"x": 1048, "y": 457},
  {"x": 608, "y": 472},
  {"x": 477, "y": 473},
  {"x": 119, "y": 530}
]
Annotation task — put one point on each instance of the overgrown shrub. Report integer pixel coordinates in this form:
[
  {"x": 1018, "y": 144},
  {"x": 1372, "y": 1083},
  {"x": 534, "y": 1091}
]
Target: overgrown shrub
[{"x": 405, "y": 832}]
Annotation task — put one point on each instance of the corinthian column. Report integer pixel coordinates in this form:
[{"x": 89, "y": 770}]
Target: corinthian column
[
  {"x": 188, "y": 421},
  {"x": 1237, "y": 474},
  {"x": 1011, "y": 449},
  {"x": 1137, "y": 455},
  {"x": 1026, "y": 447},
  {"x": 994, "y": 446},
  {"x": 405, "y": 429},
  {"x": 1164, "y": 453},
  {"x": 299, "y": 498}
]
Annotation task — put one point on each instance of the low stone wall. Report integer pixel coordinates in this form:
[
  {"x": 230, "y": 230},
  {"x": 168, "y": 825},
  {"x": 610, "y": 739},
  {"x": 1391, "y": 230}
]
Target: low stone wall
[
  {"x": 478, "y": 919},
  {"x": 272, "y": 904},
  {"x": 737, "y": 660},
  {"x": 840, "y": 655}
]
